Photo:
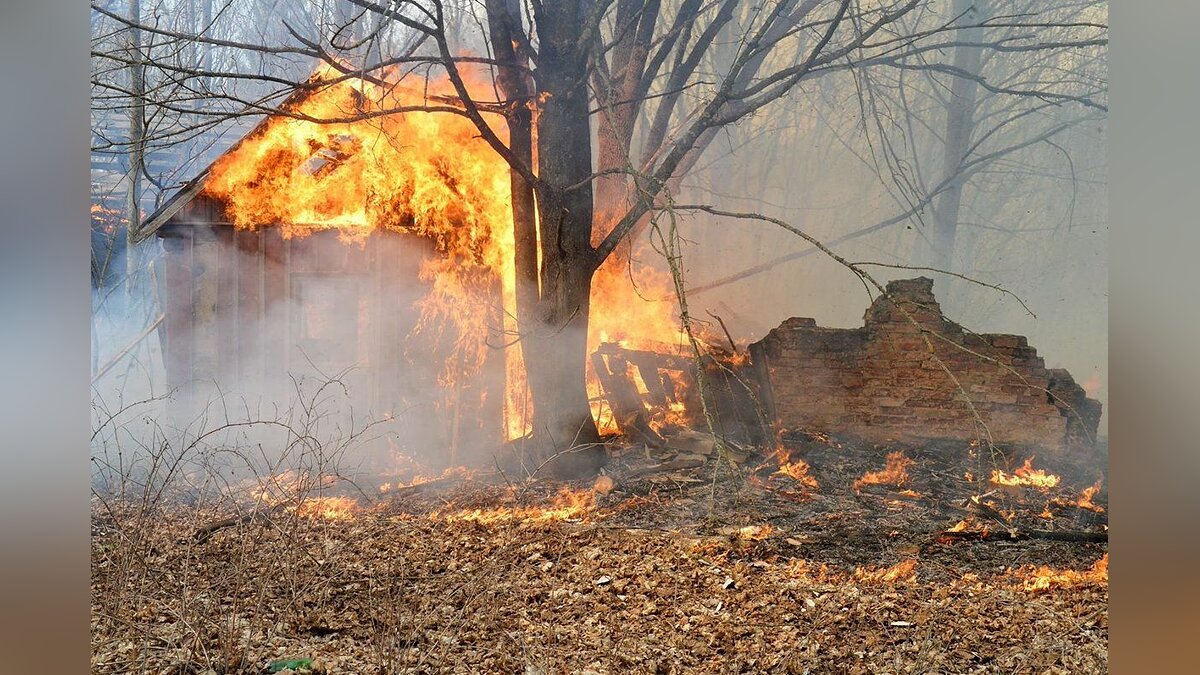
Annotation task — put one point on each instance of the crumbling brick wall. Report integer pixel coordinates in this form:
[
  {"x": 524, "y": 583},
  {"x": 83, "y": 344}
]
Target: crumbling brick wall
[{"x": 881, "y": 383}]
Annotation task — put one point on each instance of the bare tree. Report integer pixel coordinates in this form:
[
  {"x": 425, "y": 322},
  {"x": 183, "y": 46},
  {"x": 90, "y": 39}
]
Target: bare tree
[{"x": 655, "y": 82}]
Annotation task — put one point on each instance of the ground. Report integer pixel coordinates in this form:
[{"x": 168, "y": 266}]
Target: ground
[{"x": 661, "y": 572}]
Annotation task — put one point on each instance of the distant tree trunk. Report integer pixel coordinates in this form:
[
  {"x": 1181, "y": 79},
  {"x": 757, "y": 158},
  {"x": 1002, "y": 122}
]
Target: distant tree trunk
[
  {"x": 620, "y": 102},
  {"x": 137, "y": 139},
  {"x": 960, "y": 123}
]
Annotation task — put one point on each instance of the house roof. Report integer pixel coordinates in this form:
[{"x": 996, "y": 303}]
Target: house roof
[
  {"x": 153, "y": 222},
  {"x": 184, "y": 196}
]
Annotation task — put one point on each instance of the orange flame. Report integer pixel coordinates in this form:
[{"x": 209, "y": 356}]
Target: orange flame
[
  {"x": 566, "y": 505},
  {"x": 1025, "y": 475},
  {"x": 329, "y": 508},
  {"x": 796, "y": 469},
  {"x": 1085, "y": 498},
  {"x": 903, "y": 571},
  {"x": 894, "y": 473},
  {"x": 1046, "y": 578}
]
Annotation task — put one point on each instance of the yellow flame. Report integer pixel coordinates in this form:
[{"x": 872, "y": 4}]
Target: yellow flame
[
  {"x": 328, "y": 508},
  {"x": 1025, "y": 475},
  {"x": 894, "y": 473},
  {"x": 566, "y": 505},
  {"x": 905, "y": 570},
  {"x": 1045, "y": 578}
]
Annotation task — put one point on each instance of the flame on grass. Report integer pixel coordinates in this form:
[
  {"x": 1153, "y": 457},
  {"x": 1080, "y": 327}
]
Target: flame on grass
[
  {"x": 796, "y": 469},
  {"x": 968, "y": 524},
  {"x": 329, "y": 508},
  {"x": 799, "y": 568},
  {"x": 895, "y": 472},
  {"x": 1046, "y": 578},
  {"x": 903, "y": 571},
  {"x": 566, "y": 505},
  {"x": 1086, "y": 499},
  {"x": 421, "y": 479},
  {"x": 753, "y": 532},
  {"x": 1025, "y": 476}
]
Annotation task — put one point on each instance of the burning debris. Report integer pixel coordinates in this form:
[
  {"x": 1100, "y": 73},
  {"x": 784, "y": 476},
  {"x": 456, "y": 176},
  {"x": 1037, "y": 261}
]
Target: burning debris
[
  {"x": 798, "y": 470},
  {"x": 1085, "y": 500},
  {"x": 384, "y": 247},
  {"x": 543, "y": 460}
]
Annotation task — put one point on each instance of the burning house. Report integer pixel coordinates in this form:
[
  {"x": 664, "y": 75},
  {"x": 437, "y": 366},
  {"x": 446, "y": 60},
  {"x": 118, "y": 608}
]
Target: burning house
[
  {"x": 371, "y": 253},
  {"x": 377, "y": 250}
]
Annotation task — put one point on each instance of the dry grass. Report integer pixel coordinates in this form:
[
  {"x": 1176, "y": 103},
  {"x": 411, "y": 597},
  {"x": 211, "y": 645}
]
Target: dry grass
[{"x": 412, "y": 588}]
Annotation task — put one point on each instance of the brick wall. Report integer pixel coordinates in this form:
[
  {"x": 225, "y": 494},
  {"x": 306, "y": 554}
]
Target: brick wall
[{"x": 881, "y": 382}]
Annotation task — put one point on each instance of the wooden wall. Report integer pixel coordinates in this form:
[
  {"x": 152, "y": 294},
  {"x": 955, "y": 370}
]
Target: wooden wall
[{"x": 232, "y": 310}]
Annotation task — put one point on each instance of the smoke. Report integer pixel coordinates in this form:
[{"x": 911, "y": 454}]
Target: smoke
[
  {"x": 327, "y": 367},
  {"x": 1034, "y": 224}
]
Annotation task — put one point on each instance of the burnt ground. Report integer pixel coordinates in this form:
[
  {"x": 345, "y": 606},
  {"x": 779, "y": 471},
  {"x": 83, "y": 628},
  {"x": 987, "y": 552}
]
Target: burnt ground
[{"x": 717, "y": 568}]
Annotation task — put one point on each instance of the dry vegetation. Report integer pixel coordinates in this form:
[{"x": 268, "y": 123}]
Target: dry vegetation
[{"x": 669, "y": 572}]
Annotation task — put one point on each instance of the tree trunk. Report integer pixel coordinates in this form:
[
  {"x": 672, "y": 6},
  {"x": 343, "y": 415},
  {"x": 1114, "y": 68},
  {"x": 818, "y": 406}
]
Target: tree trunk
[
  {"x": 556, "y": 362},
  {"x": 557, "y": 382},
  {"x": 137, "y": 134},
  {"x": 553, "y": 297},
  {"x": 960, "y": 123}
]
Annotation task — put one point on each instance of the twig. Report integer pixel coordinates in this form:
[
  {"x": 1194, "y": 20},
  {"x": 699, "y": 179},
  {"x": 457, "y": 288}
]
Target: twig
[
  {"x": 128, "y": 348},
  {"x": 732, "y": 344}
]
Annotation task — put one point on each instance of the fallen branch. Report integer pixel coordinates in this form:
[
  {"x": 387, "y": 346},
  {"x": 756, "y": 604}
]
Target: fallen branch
[
  {"x": 1019, "y": 535},
  {"x": 203, "y": 534},
  {"x": 421, "y": 487},
  {"x": 673, "y": 465}
]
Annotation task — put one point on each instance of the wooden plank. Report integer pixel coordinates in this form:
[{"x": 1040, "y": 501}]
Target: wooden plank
[
  {"x": 275, "y": 304},
  {"x": 761, "y": 370},
  {"x": 622, "y": 396},
  {"x": 492, "y": 380},
  {"x": 178, "y": 310},
  {"x": 649, "y": 372},
  {"x": 250, "y": 295},
  {"x": 667, "y": 361},
  {"x": 227, "y": 306},
  {"x": 205, "y": 292}
]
